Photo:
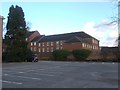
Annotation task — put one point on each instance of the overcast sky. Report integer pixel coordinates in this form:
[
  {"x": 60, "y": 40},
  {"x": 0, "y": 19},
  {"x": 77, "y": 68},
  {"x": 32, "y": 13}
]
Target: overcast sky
[{"x": 64, "y": 17}]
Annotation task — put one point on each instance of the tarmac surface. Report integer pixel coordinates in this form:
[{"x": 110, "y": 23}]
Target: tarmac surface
[{"x": 51, "y": 74}]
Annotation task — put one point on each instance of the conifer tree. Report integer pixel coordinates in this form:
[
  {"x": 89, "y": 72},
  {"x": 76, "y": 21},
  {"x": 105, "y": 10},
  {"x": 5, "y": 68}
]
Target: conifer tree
[{"x": 15, "y": 36}]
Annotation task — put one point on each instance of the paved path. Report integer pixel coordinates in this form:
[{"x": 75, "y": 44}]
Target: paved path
[{"x": 50, "y": 74}]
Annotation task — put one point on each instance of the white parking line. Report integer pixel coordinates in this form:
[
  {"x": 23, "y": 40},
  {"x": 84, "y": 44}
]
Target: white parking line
[
  {"x": 113, "y": 63},
  {"x": 23, "y": 71},
  {"x": 103, "y": 63},
  {"x": 22, "y": 77},
  {"x": 44, "y": 74},
  {"x": 4, "y": 81}
]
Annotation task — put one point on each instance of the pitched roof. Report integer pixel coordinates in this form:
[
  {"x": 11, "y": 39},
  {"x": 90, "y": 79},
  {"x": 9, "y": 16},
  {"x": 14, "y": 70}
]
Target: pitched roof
[
  {"x": 37, "y": 38},
  {"x": 30, "y": 33},
  {"x": 74, "y": 39},
  {"x": 65, "y": 36}
]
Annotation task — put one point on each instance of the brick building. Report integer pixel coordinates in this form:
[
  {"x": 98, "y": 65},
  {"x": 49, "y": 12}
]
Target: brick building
[{"x": 43, "y": 45}]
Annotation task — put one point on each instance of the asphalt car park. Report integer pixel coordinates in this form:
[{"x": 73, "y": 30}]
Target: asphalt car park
[{"x": 51, "y": 74}]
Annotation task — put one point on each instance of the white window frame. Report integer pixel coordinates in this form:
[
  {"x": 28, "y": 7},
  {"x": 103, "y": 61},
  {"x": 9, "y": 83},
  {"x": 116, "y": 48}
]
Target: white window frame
[
  {"x": 34, "y": 43},
  {"x": 31, "y": 44},
  {"x": 51, "y": 49},
  {"x": 57, "y": 42},
  {"x": 61, "y": 43},
  {"x": 47, "y": 43},
  {"x": 31, "y": 48},
  {"x": 43, "y": 49},
  {"x": 39, "y": 49},
  {"x": 43, "y": 44},
  {"x": 83, "y": 45},
  {"x": 57, "y": 48},
  {"x": 39, "y": 44},
  {"x": 26, "y": 39},
  {"x": 51, "y": 43},
  {"x": 34, "y": 48},
  {"x": 47, "y": 49}
]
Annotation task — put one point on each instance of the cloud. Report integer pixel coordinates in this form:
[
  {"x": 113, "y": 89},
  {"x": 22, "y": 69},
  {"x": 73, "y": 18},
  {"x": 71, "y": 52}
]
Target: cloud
[{"x": 105, "y": 31}]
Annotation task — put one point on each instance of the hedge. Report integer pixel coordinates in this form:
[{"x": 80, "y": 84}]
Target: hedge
[
  {"x": 60, "y": 54},
  {"x": 81, "y": 54}
]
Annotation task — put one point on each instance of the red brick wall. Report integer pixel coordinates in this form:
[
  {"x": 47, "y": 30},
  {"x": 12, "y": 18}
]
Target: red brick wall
[{"x": 72, "y": 46}]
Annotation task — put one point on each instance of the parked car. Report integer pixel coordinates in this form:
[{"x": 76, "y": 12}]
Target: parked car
[{"x": 33, "y": 58}]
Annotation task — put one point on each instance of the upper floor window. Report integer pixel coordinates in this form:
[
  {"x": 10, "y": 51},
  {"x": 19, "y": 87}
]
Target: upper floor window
[
  {"x": 35, "y": 43},
  {"x": 42, "y": 44},
  {"x": 57, "y": 42},
  {"x": 39, "y": 44},
  {"x": 31, "y": 44},
  {"x": 61, "y": 42},
  {"x": 51, "y": 43},
  {"x": 47, "y": 43}
]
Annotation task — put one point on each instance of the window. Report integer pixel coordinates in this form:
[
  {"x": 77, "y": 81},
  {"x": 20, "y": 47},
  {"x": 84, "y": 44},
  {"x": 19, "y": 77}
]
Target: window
[
  {"x": 47, "y": 49},
  {"x": 57, "y": 42},
  {"x": 31, "y": 43},
  {"x": 57, "y": 48},
  {"x": 83, "y": 45},
  {"x": 42, "y": 44},
  {"x": 60, "y": 42},
  {"x": 93, "y": 40},
  {"x": 26, "y": 39},
  {"x": 51, "y": 43},
  {"x": 96, "y": 41},
  {"x": 43, "y": 50},
  {"x": 34, "y": 48},
  {"x": 39, "y": 44},
  {"x": 39, "y": 50},
  {"x": 31, "y": 49},
  {"x": 35, "y": 43},
  {"x": 47, "y": 43},
  {"x": 51, "y": 49}
]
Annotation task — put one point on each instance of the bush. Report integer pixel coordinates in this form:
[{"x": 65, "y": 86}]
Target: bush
[
  {"x": 60, "y": 54},
  {"x": 17, "y": 55},
  {"x": 81, "y": 54}
]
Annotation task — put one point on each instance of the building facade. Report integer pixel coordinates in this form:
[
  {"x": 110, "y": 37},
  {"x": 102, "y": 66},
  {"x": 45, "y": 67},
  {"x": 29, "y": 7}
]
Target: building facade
[
  {"x": 43, "y": 45},
  {"x": 1, "y": 29}
]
